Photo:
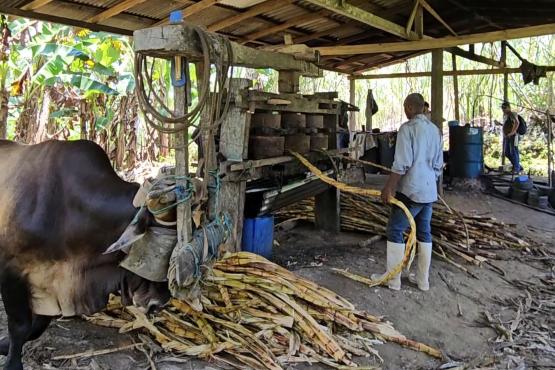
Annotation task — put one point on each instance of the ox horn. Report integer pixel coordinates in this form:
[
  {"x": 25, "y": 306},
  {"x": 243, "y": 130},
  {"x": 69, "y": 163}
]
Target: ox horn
[{"x": 133, "y": 232}]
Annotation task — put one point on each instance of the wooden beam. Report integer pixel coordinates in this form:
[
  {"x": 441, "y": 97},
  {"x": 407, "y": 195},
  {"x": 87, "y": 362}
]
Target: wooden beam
[
  {"x": 252, "y": 12},
  {"x": 360, "y": 15},
  {"x": 352, "y": 101},
  {"x": 34, "y": 5},
  {"x": 439, "y": 43},
  {"x": 410, "y": 22},
  {"x": 392, "y": 61},
  {"x": 455, "y": 86},
  {"x": 181, "y": 40},
  {"x": 295, "y": 21},
  {"x": 434, "y": 14},
  {"x": 475, "y": 57},
  {"x": 419, "y": 22},
  {"x": 464, "y": 72},
  {"x": 62, "y": 20},
  {"x": 317, "y": 35},
  {"x": 114, "y": 10},
  {"x": 437, "y": 88},
  {"x": 191, "y": 10}
]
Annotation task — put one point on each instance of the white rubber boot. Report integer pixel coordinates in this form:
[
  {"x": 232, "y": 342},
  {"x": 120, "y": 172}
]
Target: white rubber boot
[
  {"x": 423, "y": 260},
  {"x": 395, "y": 253}
]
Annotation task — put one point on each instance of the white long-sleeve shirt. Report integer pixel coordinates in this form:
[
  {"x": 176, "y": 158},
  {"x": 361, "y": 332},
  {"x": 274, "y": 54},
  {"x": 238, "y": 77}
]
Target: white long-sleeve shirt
[{"x": 418, "y": 159}]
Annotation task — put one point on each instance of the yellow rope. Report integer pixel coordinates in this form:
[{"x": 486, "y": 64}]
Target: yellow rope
[{"x": 411, "y": 241}]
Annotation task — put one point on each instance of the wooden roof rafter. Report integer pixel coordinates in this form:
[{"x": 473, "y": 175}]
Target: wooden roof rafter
[
  {"x": 191, "y": 10},
  {"x": 438, "y": 43},
  {"x": 114, "y": 10},
  {"x": 250, "y": 13},
  {"x": 293, "y": 22},
  {"x": 35, "y": 4}
]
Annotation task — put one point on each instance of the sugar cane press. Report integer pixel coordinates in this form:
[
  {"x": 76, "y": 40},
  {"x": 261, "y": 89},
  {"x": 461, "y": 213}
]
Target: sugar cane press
[{"x": 244, "y": 138}]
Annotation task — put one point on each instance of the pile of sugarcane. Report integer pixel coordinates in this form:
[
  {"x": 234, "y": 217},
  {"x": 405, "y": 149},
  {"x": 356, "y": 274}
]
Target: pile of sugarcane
[
  {"x": 256, "y": 314},
  {"x": 469, "y": 237}
]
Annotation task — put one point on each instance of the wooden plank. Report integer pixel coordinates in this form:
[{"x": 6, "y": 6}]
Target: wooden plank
[
  {"x": 361, "y": 15},
  {"x": 419, "y": 22},
  {"x": 437, "y": 88},
  {"x": 298, "y": 103},
  {"x": 191, "y": 10},
  {"x": 114, "y": 10},
  {"x": 235, "y": 128},
  {"x": 455, "y": 87},
  {"x": 475, "y": 57},
  {"x": 353, "y": 101},
  {"x": 410, "y": 22},
  {"x": 295, "y": 21},
  {"x": 232, "y": 201},
  {"x": 464, "y": 72},
  {"x": 434, "y": 14},
  {"x": 34, "y": 5},
  {"x": 180, "y": 39},
  {"x": 327, "y": 210},
  {"x": 252, "y": 12},
  {"x": 317, "y": 35},
  {"x": 184, "y": 227},
  {"x": 63, "y": 20},
  {"x": 439, "y": 43}
]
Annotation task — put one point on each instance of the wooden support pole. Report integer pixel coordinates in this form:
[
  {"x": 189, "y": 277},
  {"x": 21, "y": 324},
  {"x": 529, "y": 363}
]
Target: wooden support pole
[
  {"x": 550, "y": 174},
  {"x": 289, "y": 82},
  {"x": 419, "y": 22},
  {"x": 352, "y": 101},
  {"x": 475, "y": 57},
  {"x": 369, "y": 108},
  {"x": 505, "y": 93},
  {"x": 438, "y": 43},
  {"x": 184, "y": 229},
  {"x": 456, "y": 87},
  {"x": 234, "y": 140},
  {"x": 437, "y": 88}
]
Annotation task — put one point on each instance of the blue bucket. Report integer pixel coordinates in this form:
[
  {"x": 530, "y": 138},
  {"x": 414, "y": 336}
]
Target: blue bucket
[{"x": 258, "y": 235}]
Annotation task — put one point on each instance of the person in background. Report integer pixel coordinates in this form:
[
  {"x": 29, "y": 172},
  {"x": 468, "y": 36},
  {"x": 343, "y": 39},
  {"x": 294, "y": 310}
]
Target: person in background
[
  {"x": 343, "y": 127},
  {"x": 511, "y": 123},
  {"x": 417, "y": 165},
  {"x": 427, "y": 111}
]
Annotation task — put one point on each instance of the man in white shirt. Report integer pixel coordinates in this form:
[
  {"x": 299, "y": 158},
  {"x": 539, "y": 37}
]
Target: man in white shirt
[{"x": 417, "y": 166}]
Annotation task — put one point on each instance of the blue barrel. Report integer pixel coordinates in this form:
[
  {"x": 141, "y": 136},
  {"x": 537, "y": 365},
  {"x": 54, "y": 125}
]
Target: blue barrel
[
  {"x": 466, "y": 158},
  {"x": 258, "y": 235}
]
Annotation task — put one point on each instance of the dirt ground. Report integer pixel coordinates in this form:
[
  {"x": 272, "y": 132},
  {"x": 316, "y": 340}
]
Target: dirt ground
[{"x": 446, "y": 317}]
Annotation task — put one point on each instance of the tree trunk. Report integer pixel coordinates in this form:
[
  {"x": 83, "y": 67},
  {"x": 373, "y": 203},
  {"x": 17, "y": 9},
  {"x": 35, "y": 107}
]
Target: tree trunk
[
  {"x": 44, "y": 115},
  {"x": 83, "y": 119},
  {"x": 4, "y": 96},
  {"x": 120, "y": 141}
]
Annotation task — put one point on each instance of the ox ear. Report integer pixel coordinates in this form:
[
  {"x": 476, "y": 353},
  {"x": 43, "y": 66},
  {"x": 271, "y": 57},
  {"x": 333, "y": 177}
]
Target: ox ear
[{"x": 133, "y": 232}]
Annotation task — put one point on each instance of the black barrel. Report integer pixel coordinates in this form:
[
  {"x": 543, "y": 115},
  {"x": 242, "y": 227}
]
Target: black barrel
[{"x": 466, "y": 157}]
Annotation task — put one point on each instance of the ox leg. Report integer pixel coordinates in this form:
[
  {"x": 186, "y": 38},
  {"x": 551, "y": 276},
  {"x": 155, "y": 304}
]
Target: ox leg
[
  {"x": 40, "y": 323},
  {"x": 15, "y": 294}
]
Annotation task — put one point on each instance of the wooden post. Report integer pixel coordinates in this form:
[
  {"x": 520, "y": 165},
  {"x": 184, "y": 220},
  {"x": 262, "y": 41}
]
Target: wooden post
[
  {"x": 549, "y": 149},
  {"x": 234, "y": 140},
  {"x": 456, "y": 87},
  {"x": 505, "y": 94},
  {"x": 437, "y": 88},
  {"x": 437, "y": 98},
  {"x": 184, "y": 231},
  {"x": 327, "y": 209},
  {"x": 369, "y": 107},
  {"x": 419, "y": 22},
  {"x": 289, "y": 82},
  {"x": 352, "y": 100}
]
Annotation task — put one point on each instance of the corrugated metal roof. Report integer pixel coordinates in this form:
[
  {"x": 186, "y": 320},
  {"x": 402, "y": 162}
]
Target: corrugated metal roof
[{"x": 469, "y": 16}]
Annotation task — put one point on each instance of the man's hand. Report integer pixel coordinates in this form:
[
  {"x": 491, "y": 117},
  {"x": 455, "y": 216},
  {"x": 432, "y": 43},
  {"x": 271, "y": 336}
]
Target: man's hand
[{"x": 387, "y": 194}]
